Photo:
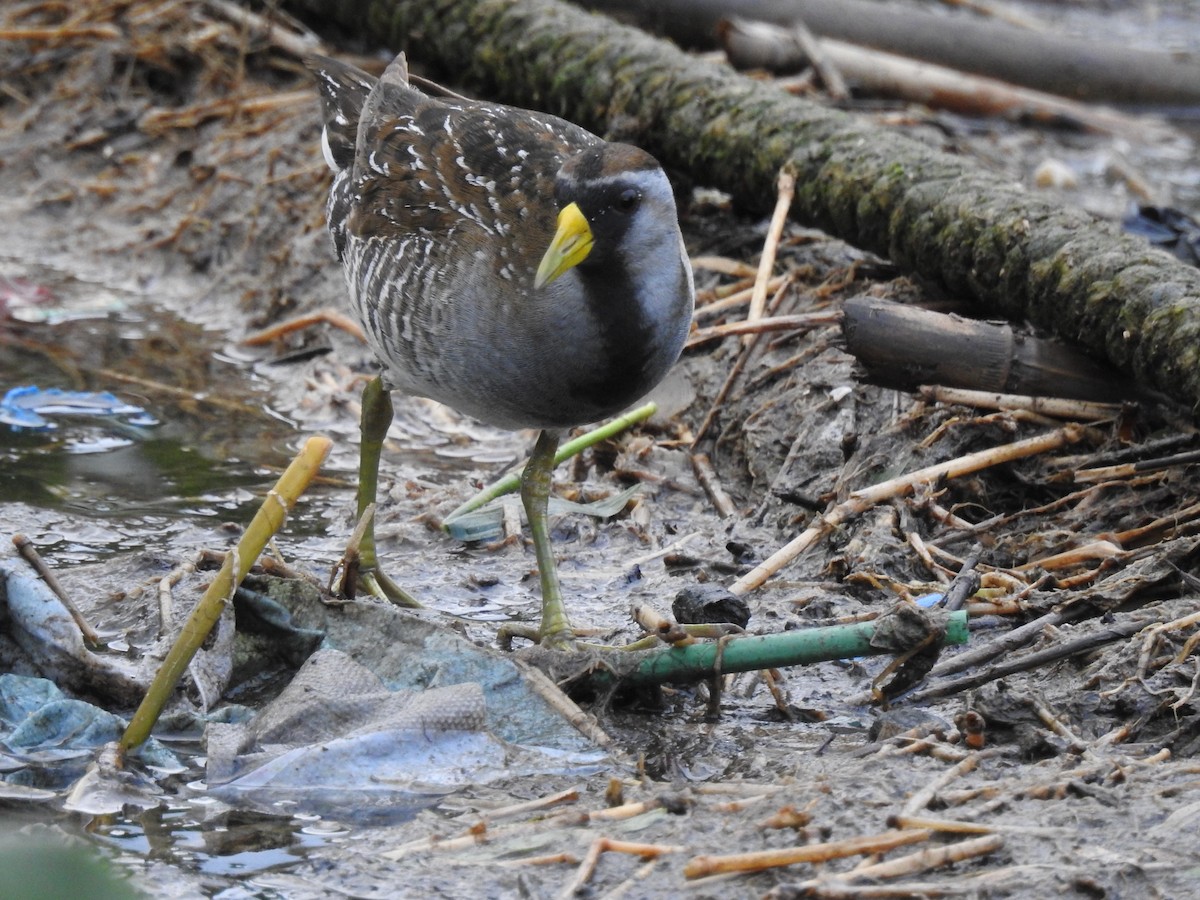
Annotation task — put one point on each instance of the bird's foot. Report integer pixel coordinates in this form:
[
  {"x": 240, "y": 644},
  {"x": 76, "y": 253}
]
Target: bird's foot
[
  {"x": 558, "y": 639},
  {"x": 348, "y": 579},
  {"x": 379, "y": 585},
  {"x": 358, "y": 572}
]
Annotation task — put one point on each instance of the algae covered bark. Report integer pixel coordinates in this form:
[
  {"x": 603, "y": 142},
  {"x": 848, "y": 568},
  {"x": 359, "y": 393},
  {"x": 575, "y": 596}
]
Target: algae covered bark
[{"x": 937, "y": 214}]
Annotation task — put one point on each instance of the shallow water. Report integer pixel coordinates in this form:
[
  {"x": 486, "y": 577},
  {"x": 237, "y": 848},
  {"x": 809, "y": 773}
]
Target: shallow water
[{"x": 91, "y": 486}]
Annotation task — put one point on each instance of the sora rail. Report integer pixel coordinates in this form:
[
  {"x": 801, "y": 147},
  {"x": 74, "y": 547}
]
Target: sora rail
[{"x": 504, "y": 262}]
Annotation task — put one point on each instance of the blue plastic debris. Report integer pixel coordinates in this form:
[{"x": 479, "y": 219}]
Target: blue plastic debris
[
  {"x": 28, "y": 405},
  {"x": 49, "y": 738}
]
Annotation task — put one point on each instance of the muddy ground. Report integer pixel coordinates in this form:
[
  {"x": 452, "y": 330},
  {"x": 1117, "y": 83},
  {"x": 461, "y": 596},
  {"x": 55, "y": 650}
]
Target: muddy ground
[{"x": 161, "y": 182}]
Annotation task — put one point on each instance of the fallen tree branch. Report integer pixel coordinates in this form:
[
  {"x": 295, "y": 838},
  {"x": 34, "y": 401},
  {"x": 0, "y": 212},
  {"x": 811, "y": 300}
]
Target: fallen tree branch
[
  {"x": 1089, "y": 68},
  {"x": 881, "y": 74}
]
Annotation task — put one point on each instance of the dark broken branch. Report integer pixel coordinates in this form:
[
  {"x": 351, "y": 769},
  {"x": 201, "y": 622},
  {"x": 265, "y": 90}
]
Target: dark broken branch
[
  {"x": 1062, "y": 650},
  {"x": 904, "y": 346}
]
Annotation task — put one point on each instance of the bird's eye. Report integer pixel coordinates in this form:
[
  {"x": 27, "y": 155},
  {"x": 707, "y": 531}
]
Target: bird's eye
[{"x": 628, "y": 200}]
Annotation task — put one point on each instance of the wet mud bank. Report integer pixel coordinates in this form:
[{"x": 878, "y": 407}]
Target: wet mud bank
[{"x": 162, "y": 192}]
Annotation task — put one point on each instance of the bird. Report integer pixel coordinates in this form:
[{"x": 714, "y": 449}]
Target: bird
[{"x": 505, "y": 262}]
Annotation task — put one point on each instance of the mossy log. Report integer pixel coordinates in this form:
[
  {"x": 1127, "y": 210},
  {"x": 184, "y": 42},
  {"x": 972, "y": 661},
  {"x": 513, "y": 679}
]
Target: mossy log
[{"x": 939, "y": 215}]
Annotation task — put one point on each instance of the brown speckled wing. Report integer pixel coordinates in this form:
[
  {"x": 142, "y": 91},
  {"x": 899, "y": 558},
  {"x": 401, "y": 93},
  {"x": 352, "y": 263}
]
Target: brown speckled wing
[{"x": 431, "y": 166}]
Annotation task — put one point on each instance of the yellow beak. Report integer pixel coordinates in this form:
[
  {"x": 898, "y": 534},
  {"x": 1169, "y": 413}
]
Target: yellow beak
[{"x": 570, "y": 246}]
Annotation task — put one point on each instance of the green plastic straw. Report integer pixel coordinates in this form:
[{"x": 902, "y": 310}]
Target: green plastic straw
[{"x": 695, "y": 662}]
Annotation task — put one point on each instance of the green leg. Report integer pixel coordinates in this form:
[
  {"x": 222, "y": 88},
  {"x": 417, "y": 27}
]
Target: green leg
[
  {"x": 376, "y": 418},
  {"x": 555, "y": 631},
  {"x": 373, "y": 427}
]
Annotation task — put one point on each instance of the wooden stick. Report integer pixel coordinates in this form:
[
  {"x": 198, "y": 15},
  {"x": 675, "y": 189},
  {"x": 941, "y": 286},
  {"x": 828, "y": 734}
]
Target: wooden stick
[
  {"x": 1095, "y": 550},
  {"x": 480, "y": 833},
  {"x": 30, "y": 555},
  {"x": 864, "y": 499},
  {"x": 971, "y": 463},
  {"x": 831, "y": 77},
  {"x": 707, "y": 476},
  {"x": 735, "y": 373},
  {"x": 922, "y": 798},
  {"x": 298, "y": 45},
  {"x": 548, "y": 860},
  {"x": 931, "y": 858},
  {"x": 965, "y": 583},
  {"x": 626, "y": 811},
  {"x": 1165, "y": 524},
  {"x": 984, "y": 884},
  {"x": 654, "y": 623},
  {"x": 736, "y": 299},
  {"x": 317, "y": 317},
  {"x": 756, "y": 861},
  {"x": 935, "y": 747},
  {"x": 799, "y": 322},
  {"x": 723, "y": 265},
  {"x": 1052, "y": 721},
  {"x": 783, "y": 202},
  {"x": 61, "y": 35},
  {"x": 156, "y": 121},
  {"x": 603, "y": 844},
  {"x": 585, "y": 871},
  {"x": 924, "y": 82},
  {"x": 570, "y": 795},
  {"x": 951, "y": 826},
  {"x": 1006, "y": 643},
  {"x": 1074, "y": 410},
  {"x": 673, "y": 547},
  {"x": 166, "y": 602},
  {"x": 635, "y": 848},
  {"x": 585, "y": 723},
  {"x": 1184, "y": 622},
  {"x": 1085, "y": 644},
  {"x": 840, "y": 890}
]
